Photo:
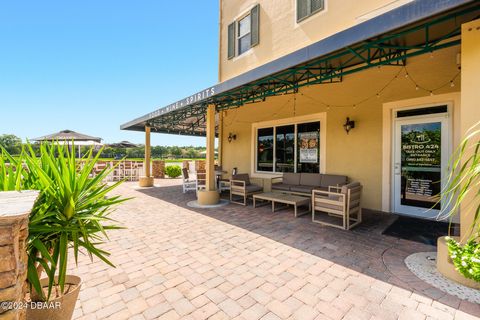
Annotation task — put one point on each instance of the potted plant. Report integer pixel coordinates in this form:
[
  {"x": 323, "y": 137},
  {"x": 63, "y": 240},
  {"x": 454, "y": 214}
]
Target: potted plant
[
  {"x": 462, "y": 185},
  {"x": 71, "y": 214}
]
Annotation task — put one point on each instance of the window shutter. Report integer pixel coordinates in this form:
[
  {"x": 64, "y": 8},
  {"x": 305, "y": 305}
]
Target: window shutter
[
  {"x": 231, "y": 40},
  {"x": 316, "y": 5},
  {"x": 255, "y": 25},
  {"x": 302, "y": 9}
]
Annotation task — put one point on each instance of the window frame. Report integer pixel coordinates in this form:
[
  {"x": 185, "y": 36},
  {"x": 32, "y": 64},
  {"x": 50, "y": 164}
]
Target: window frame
[
  {"x": 309, "y": 8},
  {"x": 318, "y": 117},
  {"x": 237, "y": 34}
]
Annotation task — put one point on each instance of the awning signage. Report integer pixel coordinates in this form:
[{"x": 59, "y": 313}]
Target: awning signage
[{"x": 194, "y": 98}]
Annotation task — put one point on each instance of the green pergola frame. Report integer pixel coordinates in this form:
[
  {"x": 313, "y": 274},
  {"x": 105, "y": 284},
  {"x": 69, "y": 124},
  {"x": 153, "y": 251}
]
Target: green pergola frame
[{"x": 392, "y": 49}]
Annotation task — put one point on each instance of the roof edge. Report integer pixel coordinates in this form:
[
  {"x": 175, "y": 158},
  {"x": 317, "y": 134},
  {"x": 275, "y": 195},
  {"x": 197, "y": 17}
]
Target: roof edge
[{"x": 395, "y": 19}]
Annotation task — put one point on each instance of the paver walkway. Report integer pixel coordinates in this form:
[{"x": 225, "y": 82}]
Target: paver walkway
[{"x": 236, "y": 262}]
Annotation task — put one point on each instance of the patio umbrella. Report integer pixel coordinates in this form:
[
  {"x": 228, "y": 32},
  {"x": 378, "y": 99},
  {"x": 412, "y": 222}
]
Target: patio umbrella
[{"x": 67, "y": 136}]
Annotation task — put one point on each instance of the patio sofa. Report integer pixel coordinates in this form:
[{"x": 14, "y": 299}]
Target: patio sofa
[{"x": 303, "y": 183}]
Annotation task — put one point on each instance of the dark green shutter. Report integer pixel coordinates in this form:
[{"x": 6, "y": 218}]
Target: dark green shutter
[
  {"x": 255, "y": 25},
  {"x": 316, "y": 5},
  {"x": 302, "y": 9},
  {"x": 231, "y": 40}
]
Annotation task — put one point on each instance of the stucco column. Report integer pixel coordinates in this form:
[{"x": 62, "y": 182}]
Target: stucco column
[
  {"x": 469, "y": 116},
  {"x": 470, "y": 109},
  {"x": 220, "y": 137},
  {"x": 147, "y": 180},
  {"x": 210, "y": 195}
]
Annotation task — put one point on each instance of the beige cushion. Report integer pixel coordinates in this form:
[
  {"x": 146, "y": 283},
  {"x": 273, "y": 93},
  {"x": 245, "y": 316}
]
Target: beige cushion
[
  {"x": 351, "y": 185},
  {"x": 310, "y": 179},
  {"x": 281, "y": 186},
  {"x": 333, "y": 180},
  {"x": 185, "y": 173},
  {"x": 242, "y": 177},
  {"x": 253, "y": 188},
  {"x": 302, "y": 189},
  {"x": 291, "y": 178}
]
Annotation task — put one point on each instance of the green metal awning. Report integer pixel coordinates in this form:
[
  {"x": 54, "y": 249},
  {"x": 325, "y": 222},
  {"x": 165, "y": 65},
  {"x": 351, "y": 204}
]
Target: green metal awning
[{"x": 420, "y": 27}]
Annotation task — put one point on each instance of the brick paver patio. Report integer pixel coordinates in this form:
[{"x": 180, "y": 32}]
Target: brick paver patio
[{"x": 236, "y": 262}]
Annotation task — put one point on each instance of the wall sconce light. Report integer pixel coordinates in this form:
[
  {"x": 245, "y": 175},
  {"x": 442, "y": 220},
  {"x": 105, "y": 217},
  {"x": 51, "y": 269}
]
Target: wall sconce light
[
  {"x": 349, "y": 125},
  {"x": 231, "y": 137}
]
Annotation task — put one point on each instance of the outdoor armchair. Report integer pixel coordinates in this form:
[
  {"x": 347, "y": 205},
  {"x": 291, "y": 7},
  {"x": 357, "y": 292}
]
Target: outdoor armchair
[
  {"x": 187, "y": 183},
  {"x": 201, "y": 180},
  {"x": 241, "y": 187},
  {"x": 338, "y": 207}
]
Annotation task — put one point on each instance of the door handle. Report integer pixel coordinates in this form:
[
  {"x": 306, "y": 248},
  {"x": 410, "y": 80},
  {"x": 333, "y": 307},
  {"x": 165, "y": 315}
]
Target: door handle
[{"x": 396, "y": 169}]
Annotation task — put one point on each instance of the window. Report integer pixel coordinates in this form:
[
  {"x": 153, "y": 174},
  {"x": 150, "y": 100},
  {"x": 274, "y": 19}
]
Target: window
[
  {"x": 289, "y": 148},
  {"x": 306, "y": 8},
  {"x": 265, "y": 149},
  {"x": 243, "y": 34},
  {"x": 285, "y": 149},
  {"x": 308, "y": 137}
]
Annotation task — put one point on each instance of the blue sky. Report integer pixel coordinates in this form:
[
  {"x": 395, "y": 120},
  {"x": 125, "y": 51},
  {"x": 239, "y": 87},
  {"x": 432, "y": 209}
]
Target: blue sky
[{"x": 92, "y": 65}]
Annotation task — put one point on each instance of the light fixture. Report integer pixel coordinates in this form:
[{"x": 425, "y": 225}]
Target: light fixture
[
  {"x": 349, "y": 125},
  {"x": 231, "y": 137}
]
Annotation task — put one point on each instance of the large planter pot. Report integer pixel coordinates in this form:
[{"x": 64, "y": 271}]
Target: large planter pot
[
  {"x": 445, "y": 265},
  {"x": 57, "y": 309}
]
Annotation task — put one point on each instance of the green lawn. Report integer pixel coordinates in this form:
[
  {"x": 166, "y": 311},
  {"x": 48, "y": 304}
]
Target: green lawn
[{"x": 166, "y": 160}]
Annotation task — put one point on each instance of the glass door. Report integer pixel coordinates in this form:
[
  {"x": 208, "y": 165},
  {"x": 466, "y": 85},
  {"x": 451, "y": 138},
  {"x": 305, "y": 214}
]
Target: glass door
[{"x": 421, "y": 150}]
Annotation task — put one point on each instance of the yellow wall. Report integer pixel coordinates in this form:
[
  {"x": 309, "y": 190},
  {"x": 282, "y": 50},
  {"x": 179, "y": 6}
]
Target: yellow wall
[
  {"x": 359, "y": 154},
  {"x": 470, "y": 113},
  {"x": 280, "y": 34}
]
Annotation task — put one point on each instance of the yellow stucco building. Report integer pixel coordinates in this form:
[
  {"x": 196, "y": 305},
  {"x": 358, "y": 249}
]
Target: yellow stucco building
[{"x": 291, "y": 72}]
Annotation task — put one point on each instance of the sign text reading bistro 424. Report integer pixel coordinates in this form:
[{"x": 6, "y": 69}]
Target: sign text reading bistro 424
[{"x": 422, "y": 155}]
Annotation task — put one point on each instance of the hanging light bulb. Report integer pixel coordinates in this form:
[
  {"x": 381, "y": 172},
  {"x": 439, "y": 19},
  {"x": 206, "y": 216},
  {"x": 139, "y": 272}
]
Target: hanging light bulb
[
  {"x": 417, "y": 88},
  {"x": 406, "y": 75},
  {"x": 378, "y": 95},
  {"x": 354, "y": 106},
  {"x": 431, "y": 93},
  {"x": 431, "y": 54},
  {"x": 452, "y": 84}
]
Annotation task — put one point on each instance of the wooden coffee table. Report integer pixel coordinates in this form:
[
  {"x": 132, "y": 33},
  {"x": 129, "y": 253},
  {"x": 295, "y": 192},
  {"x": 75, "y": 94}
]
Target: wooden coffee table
[{"x": 283, "y": 198}]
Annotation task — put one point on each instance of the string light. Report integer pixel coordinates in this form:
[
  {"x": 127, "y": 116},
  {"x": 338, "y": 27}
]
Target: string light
[{"x": 452, "y": 84}]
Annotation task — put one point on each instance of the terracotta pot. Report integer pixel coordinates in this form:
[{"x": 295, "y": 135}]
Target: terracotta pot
[{"x": 56, "y": 309}]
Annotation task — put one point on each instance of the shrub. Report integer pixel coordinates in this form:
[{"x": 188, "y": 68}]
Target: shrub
[
  {"x": 173, "y": 171},
  {"x": 463, "y": 181},
  {"x": 465, "y": 258}
]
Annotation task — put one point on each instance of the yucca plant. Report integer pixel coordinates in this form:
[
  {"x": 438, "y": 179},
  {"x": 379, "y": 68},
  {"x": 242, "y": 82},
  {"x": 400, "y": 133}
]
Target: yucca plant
[
  {"x": 463, "y": 180},
  {"x": 11, "y": 171},
  {"x": 71, "y": 212}
]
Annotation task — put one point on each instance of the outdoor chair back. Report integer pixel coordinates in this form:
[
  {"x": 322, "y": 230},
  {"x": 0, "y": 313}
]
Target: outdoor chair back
[
  {"x": 339, "y": 207},
  {"x": 201, "y": 180},
  {"x": 188, "y": 184},
  {"x": 240, "y": 186}
]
